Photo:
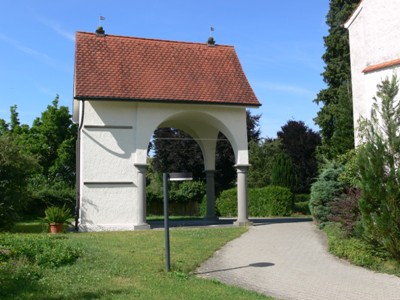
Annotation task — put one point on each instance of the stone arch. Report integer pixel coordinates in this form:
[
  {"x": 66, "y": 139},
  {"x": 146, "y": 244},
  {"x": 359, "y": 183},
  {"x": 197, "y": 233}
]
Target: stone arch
[{"x": 203, "y": 123}]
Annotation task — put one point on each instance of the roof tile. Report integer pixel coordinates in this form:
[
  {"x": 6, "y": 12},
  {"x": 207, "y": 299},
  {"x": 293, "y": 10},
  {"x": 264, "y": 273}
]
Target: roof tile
[{"x": 128, "y": 68}]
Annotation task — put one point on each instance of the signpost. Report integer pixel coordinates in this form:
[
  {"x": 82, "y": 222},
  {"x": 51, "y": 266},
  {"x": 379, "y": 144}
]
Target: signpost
[{"x": 171, "y": 177}]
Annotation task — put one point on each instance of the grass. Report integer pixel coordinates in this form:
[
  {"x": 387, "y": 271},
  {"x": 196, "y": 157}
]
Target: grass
[
  {"x": 359, "y": 252},
  {"x": 130, "y": 265}
]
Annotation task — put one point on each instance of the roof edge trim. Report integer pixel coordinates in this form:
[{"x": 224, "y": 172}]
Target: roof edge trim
[
  {"x": 354, "y": 15},
  {"x": 165, "y": 101},
  {"x": 383, "y": 65}
]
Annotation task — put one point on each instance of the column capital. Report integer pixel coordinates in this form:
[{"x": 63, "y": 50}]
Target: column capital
[
  {"x": 141, "y": 166},
  {"x": 242, "y": 167}
]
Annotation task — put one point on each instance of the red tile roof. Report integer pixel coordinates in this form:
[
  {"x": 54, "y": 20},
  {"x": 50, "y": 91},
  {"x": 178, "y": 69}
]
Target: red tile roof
[
  {"x": 383, "y": 65},
  {"x": 128, "y": 68}
]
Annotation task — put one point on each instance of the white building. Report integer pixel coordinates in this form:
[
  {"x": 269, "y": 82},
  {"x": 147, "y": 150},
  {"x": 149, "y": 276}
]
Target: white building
[
  {"x": 124, "y": 89},
  {"x": 374, "y": 31}
]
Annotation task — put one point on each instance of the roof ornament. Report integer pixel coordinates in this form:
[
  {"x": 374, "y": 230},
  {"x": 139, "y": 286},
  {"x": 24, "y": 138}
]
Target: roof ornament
[
  {"x": 100, "y": 30},
  {"x": 211, "y": 41}
]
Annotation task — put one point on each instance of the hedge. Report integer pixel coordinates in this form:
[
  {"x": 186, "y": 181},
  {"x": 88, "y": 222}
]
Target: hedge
[{"x": 263, "y": 202}]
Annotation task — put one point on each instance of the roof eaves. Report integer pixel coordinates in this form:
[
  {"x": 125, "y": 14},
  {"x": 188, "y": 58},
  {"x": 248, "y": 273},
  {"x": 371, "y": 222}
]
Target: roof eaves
[
  {"x": 102, "y": 98},
  {"x": 354, "y": 15}
]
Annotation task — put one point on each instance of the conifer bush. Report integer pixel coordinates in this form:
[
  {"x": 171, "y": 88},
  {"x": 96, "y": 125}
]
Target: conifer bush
[
  {"x": 326, "y": 189},
  {"x": 379, "y": 165}
]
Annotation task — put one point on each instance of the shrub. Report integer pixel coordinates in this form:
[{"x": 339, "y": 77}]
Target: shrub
[
  {"x": 379, "y": 161},
  {"x": 351, "y": 173},
  {"x": 41, "y": 250},
  {"x": 345, "y": 210},
  {"x": 301, "y": 198},
  {"x": 226, "y": 203},
  {"x": 324, "y": 190},
  {"x": 358, "y": 251},
  {"x": 187, "y": 191},
  {"x": 15, "y": 168},
  {"x": 268, "y": 201},
  {"x": 302, "y": 207}
]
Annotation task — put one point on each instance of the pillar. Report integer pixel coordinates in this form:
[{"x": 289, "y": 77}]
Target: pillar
[
  {"x": 242, "y": 196},
  {"x": 210, "y": 208},
  {"x": 139, "y": 218}
]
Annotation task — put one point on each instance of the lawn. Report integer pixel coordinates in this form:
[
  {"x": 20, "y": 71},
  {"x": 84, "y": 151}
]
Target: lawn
[{"x": 130, "y": 265}]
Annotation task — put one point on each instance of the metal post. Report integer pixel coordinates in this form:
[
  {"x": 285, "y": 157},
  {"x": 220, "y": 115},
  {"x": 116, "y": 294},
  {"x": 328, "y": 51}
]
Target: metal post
[{"x": 166, "y": 223}]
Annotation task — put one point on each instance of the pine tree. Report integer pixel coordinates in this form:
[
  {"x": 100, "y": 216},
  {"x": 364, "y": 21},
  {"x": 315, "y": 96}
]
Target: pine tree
[
  {"x": 335, "y": 117},
  {"x": 379, "y": 165},
  {"x": 283, "y": 173}
]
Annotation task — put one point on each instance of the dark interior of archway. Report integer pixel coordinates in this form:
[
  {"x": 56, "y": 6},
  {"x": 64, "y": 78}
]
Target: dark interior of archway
[{"x": 175, "y": 151}]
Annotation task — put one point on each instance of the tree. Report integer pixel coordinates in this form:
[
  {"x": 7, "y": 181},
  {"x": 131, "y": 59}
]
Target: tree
[
  {"x": 379, "y": 165},
  {"x": 335, "y": 117},
  {"x": 300, "y": 143},
  {"x": 262, "y": 156},
  {"x": 53, "y": 139},
  {"x": 283, "y": 172},
  {"x": 176, "y": 151},
  {"x": 15, "y": 169}
]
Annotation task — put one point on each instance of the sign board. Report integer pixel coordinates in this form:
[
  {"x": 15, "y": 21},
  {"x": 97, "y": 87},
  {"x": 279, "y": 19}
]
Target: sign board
[{"x": 180, "y": 176}]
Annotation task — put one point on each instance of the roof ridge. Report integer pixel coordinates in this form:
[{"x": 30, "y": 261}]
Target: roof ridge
[{"x": 154, "y": 39}]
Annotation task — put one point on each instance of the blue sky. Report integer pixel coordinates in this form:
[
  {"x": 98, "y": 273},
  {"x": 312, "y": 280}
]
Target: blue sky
[{"x": 279, "y": 43}]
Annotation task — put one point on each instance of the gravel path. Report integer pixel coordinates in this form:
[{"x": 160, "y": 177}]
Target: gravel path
[{"x": 290, "y": 261}]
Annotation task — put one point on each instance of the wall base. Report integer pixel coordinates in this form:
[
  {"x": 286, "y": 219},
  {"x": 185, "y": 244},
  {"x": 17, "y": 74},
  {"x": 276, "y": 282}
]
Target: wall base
[{"x": 112, "y": 227}]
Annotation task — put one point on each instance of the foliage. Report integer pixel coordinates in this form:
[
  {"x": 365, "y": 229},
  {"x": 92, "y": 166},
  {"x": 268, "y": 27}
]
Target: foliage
[
  {"x": 187, "y": 191},
  {"x": 301, "y": 198},
  {"x": 379, "y": 164},
  {"x": 56, "y": 214},
  {"x": 135, "y": 268},
  {"x": 300, "y": 143},
  {"x": 26, "y": 258},
  {"x": 345, "y": 211},
  {"x": 359, "y": 251},
  {"x": 226, "y": 203},
  {"x": 335, "y": 118},
  {"x": 351, "y": 174},
  {"x": 302, "y": 207},
  {"x": 283, "y": 173},
  {"x": 262, "y": 202},
  {"x": 51, "y": 141},
  {"x": 38, "y": 249},
  {"x": 53, "y": 138},
  {"x": 15, "y": 169},
  {"x": 176, "y": 151},
  {"x": 262, "y": 156},
  {"x": 326, "y": 189}
]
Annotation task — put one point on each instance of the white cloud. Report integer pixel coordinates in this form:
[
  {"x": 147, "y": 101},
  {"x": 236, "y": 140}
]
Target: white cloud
[
  {"x": 43, "y": 57},
  {"x": 18, "y": 45},
  {"x": 58, "y": 29}
]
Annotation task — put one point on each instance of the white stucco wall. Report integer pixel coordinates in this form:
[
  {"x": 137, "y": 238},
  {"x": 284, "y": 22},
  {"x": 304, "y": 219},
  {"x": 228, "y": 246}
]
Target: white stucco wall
[
  {"x": 114, "y": 140},
  {"x": 374, "y": 32}
]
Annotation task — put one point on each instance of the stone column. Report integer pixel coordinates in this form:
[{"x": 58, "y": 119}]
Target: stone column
[
  {"x": 242, "y": 196},
  {"x": 210, "y": 210},
  {"x": 140, "y": 209}
]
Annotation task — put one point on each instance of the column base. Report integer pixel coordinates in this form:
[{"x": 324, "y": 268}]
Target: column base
[
  {"x": 144, "y": 226},
  {"x": 241, "y": 223}
]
